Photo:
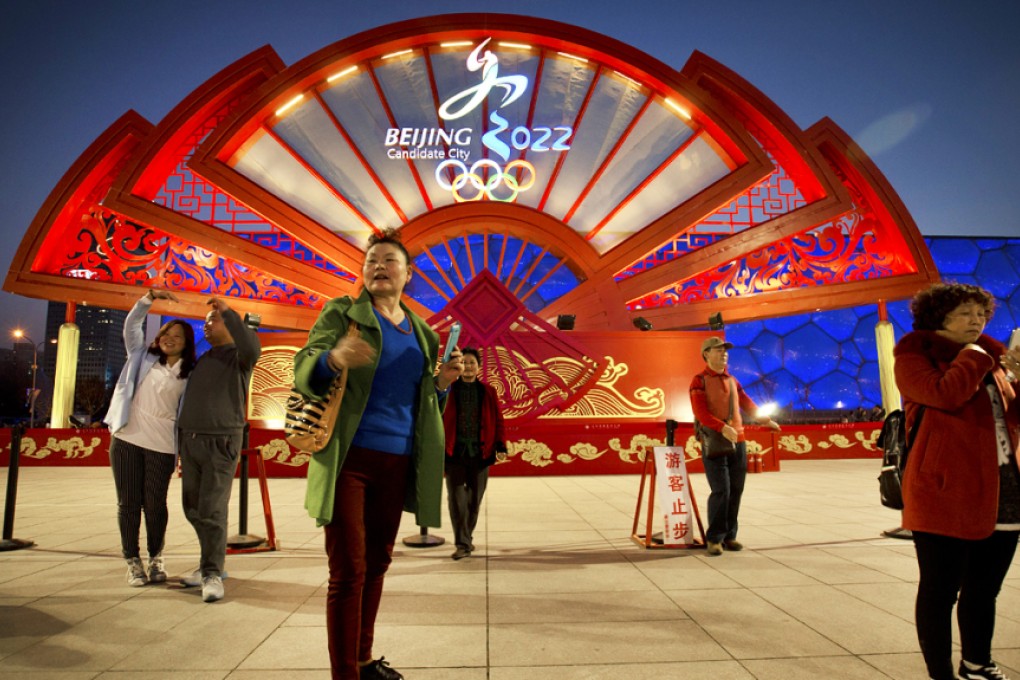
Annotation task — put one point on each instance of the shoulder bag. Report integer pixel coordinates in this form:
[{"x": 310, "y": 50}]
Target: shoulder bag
[
  {"x": 713, "y": 443},
  {"x": 310, "y": 422}
]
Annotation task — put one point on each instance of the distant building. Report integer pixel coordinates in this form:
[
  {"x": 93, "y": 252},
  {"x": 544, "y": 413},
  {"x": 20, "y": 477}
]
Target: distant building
[
  {"x": 15, "y": 380},
  {"x": 23, "y": 350},
  {"x": 100, "y": 347}
]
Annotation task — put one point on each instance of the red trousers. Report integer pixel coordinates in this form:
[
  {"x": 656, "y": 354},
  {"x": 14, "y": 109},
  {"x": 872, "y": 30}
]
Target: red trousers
[{"x": 359, "y": 544}]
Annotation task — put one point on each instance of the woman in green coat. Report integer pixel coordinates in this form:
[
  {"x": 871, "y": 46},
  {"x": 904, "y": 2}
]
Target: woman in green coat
[{"x": 386, "y": 453}]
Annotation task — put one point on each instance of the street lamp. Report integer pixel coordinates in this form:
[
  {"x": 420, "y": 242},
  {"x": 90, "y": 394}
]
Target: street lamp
[{"x": 20, "y": 335}]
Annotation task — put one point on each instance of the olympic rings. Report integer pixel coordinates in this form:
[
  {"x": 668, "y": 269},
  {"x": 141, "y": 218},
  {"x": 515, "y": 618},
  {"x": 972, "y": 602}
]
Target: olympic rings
[{"x": 485, "y": 188}]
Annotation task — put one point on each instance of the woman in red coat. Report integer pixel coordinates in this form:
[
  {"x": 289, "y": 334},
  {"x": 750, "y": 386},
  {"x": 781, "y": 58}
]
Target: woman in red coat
[{"x": 961, "y": 487}]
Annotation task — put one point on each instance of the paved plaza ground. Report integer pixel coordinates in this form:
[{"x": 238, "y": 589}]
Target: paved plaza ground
[{"x": 556, "y": 589}]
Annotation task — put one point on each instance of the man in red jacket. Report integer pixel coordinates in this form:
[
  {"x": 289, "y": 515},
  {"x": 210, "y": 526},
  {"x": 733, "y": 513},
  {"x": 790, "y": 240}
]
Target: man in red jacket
[
  {"x": 474, "y": 434},
  {"x": 716, "y": 399}
]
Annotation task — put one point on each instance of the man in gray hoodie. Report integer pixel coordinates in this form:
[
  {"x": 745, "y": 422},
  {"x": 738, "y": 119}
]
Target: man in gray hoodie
[{"x": 211, "y": 429}]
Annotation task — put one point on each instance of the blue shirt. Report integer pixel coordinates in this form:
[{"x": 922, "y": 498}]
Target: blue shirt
[{"x": 388, "y": 421}]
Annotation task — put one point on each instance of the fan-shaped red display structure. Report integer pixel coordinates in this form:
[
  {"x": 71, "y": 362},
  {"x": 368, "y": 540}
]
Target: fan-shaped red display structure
[{"x": 534, "y": 366}]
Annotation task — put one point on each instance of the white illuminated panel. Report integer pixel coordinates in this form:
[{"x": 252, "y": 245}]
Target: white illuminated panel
[
  {"x": 271, "y": 167},
  {"x": 657, "y": 134},
  {"x": 314, "y": 137},
  {"x": 695, "y": 169}
]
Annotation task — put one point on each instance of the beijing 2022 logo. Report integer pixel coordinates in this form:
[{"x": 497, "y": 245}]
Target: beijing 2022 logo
[{"x": 484, "y": 178}]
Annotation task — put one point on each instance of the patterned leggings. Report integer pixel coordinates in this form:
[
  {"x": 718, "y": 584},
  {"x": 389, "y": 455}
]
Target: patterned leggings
[{"x": 142, "y": 478}]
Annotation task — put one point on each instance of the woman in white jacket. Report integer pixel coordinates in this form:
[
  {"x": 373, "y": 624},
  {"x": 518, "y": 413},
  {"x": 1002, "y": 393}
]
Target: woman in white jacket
[{"x": 143, "y": 424}]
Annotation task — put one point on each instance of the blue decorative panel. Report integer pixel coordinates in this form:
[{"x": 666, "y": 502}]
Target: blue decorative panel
[
  {"x": 786, "y": 324},
  {"x": 864, "y": 334},
  {"x": 998, "y": 274},
  {"x": 954, "y": 256},
  {"x": 809, "y": 353},
  {"x": 836, "y": 390},
  {"x": 820, "y": 360},
  {"x": 839, "y": 325},
  {"x": 744, "y": 334},
  {"x": 534, "y": 275},
  {"x": 768, "y": 352},
  {"x": 1012, "y": 252}
]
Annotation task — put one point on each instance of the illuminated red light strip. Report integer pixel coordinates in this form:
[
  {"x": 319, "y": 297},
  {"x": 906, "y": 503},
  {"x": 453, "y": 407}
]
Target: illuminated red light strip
[
  {"x": 607, "y": 160},
  {"x": 641, "y": 187},
  {"x": 470, "y": 255},
  {"x": 520, "y": 254},
  {"x": 531, "y": 270},
  {"x": 532, "y": 106},
  {"x": 552, "y": 270},
  {"x": 425, "y": 277},
  {"x": 322, "y": 180},
  {"x": 485, "y": 250},
  {"x": 442, "y": 273},
  {"x": 455, "y": 265},
  {"x": 393, "y": 123},
  {"x": 361, "y": 158},
  {"x": 563, "y": 156},
  {"x": 502, "y": 255}
]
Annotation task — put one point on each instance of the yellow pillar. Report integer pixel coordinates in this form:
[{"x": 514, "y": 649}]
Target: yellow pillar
[
  {"x": 885, "y": 339},
  {"x": 66, "y": 375}
]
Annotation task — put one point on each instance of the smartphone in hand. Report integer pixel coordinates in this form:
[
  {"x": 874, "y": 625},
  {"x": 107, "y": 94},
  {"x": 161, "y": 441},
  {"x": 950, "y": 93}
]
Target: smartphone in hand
[
  {"x": 1014, "y": 339},
  {"x": 451, "y": 341}
]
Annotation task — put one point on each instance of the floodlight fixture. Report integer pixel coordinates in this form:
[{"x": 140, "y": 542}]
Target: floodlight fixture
[{"x": 642, "y": 324}]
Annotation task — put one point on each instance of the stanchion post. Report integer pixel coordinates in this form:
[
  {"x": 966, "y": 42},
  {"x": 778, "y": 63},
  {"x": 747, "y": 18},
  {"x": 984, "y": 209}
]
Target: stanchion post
[
  {"x": 243, "y": 540},
  {"x": 242, "y": 522},
  {"x": 423, "y": 539},
  {"x": 271, "y": 543},
  {"x": 8, "y": 542}
]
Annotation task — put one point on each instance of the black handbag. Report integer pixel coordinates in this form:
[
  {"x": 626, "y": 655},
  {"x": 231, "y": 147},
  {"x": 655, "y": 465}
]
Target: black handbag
[
  {"x": 895, "y": 445},
  {"x": 713, "y": 443}
]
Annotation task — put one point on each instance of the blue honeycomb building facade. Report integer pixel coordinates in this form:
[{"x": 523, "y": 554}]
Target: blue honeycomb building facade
[{"x": 828, "y": 360}]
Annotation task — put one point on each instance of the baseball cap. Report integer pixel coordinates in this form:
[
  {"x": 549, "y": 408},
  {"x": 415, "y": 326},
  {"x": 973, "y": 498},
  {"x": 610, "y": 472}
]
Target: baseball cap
[{"x": 713, "y": 342}]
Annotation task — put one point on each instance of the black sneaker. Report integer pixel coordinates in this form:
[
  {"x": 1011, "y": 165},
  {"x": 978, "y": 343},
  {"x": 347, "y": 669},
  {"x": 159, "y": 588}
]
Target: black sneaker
[
  {"x": 989, "y": 672},
  {"x": 379, "y": 670}
]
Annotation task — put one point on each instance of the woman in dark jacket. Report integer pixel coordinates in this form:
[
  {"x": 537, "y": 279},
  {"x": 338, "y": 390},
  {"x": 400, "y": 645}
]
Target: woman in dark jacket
[
  {"x": 961, "y": 487},
  {"x": 474, "y": 434}
]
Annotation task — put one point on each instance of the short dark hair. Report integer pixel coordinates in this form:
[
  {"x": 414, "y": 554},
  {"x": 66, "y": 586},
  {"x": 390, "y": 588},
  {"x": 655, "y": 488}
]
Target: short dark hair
[
  {"x": 931, "y": 305},
  {"x": 392, "y": 237},
  {"x": 473, "y": 352}
]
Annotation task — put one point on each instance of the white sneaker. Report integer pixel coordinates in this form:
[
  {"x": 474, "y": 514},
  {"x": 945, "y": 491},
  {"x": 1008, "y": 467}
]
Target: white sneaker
[
  {"x": 212, "y": 589},
  {"x": 157, "y": 570},
  {"x": 194, "y": 579},
  {"x": 135, "y": 573}
]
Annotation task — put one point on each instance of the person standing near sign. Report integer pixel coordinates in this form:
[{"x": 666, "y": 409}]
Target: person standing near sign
[
  {"x": 961, "y": 485},
  {"x": 386, "y": 452},
  {"x": 474, "y": 435},
  {"x": 717, "y": 399}
]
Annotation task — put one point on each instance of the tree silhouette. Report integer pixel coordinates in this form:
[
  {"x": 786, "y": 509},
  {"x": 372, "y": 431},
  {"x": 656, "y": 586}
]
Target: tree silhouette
[
  {"x": 90, "y": 395},
  {"x": 15, "y": 382}
]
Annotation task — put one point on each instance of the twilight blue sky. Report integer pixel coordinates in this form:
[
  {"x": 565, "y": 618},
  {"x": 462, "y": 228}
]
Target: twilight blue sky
[{"x": 929, "y": 88}]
